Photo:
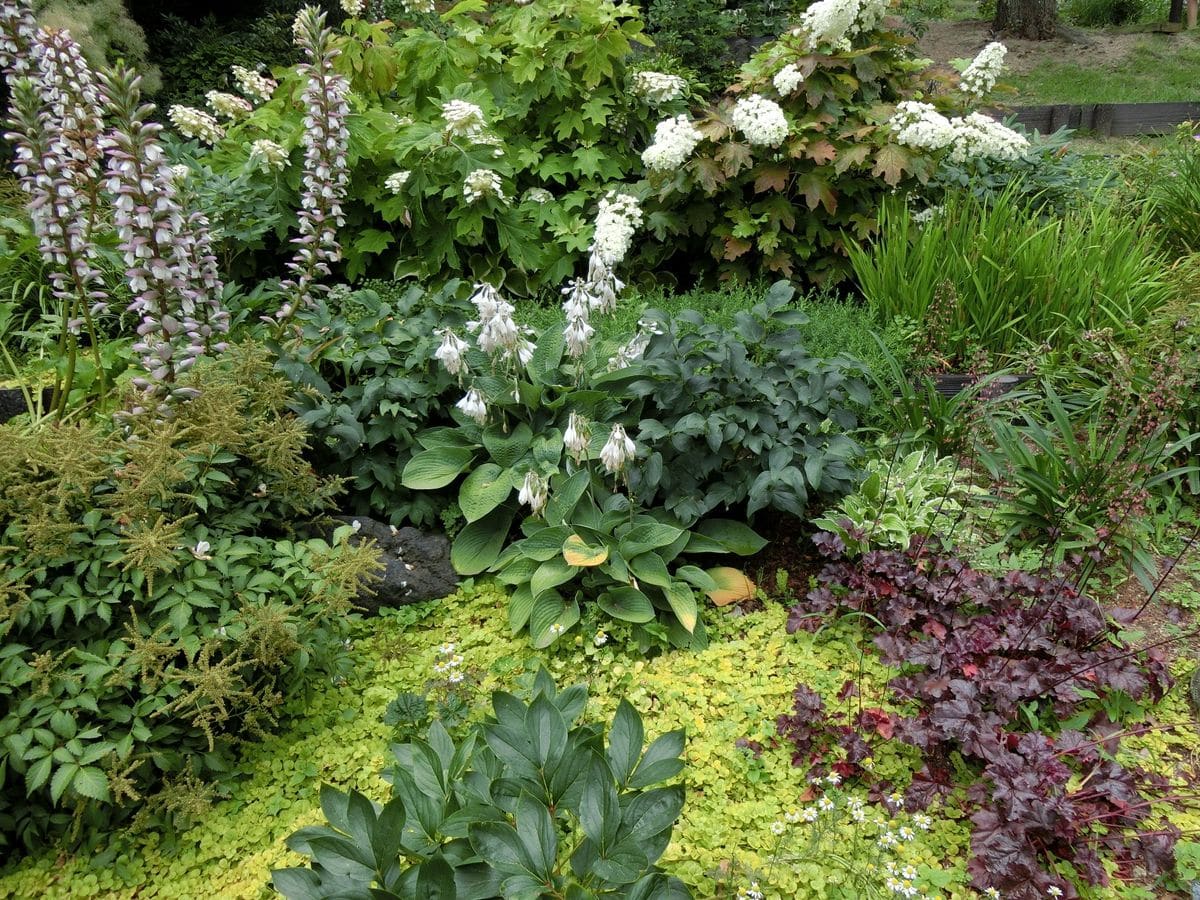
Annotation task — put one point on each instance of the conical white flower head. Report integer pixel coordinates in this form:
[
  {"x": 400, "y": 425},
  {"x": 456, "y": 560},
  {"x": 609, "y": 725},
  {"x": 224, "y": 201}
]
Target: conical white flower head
[
  {"x": 473, "y": 406},
  {"x": 618, "y": 450},
  {"x": 450, "y": 353},
  {"x": 534, "y": 492},
  {"x": 576, "y": 438}
]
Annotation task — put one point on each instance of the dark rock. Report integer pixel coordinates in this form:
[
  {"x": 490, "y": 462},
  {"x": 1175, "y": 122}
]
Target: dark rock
[
  {"x": 417, "y": 565},
  {"x": 12, "y": 402}
]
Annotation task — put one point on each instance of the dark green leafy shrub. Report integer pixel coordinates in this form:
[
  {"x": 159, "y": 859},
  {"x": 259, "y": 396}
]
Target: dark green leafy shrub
[
  {"x": 368, "y": 384},
  {"x": 155, "y": 609},
  {"x": 533, "y": 803},
  {"x": 744, "y": 414}
]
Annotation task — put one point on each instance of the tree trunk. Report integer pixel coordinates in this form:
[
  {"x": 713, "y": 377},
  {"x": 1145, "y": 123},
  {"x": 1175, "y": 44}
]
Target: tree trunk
[{"x": 1035, "y": 20}]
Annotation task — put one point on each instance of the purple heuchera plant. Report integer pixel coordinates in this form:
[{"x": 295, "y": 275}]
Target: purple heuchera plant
[
  {"x": 171, "y": 268},
  {"x": 326, "y": 140}
]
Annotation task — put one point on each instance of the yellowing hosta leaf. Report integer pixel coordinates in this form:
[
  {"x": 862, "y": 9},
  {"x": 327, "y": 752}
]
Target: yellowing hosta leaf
[
  {"x": 577, "y": 552},
  {"x": 732, "y": 586}
]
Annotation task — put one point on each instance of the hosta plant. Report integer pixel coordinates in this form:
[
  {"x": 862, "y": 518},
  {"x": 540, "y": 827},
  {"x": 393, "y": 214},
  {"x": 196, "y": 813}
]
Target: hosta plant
[
  {"x": 532, "y": 803},
  {"x": 916, "y": 494}
]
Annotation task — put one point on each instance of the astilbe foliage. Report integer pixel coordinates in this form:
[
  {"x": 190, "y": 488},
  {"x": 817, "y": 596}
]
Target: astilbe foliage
[
  {"x": 326, "y": 139},
  {"x": 171, "y": 267},
  {"x": 979, "y": 657}
]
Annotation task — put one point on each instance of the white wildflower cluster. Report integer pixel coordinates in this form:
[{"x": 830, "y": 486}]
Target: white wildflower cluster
[
  {"x": 761, "y": 120},
  {"x": 600, "y": 639},
  {"x": 750, "y": 893},
  {"x": 901, "y": 880},
  {"x": 835, "y": 22},
  {"x": 534, "y": 492},
  {"x": 353, "y": 8},
  {"x": 449, "y": 663},
  {"x": 463, "y": 118},
  {"x": 253, "y": 84},
  {"x": 974, "y": 136},
  {"x": 926, "y": 215},
  {"x": 228, "y": 106},
  {"x": 537, "y": 195},
  {"x": 787, "y": 79},
  {"x": 195, "y": 123},
  {"x": 674, "y": 141},
  {"x": 483, "y": 183},
  {"x": 267, "y": 155},
  {"x": 981, "y": 75},
  {"x": 619, "y": 216},
  {"x": 658, "y": 87},
  {"x": 396, "y": 181}
]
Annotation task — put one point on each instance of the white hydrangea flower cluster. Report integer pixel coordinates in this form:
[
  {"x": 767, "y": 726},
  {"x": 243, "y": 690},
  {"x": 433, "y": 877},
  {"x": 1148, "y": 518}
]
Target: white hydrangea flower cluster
[
  {"x": 268, "y": 155},
  {"x": 195, "y": 123},
  {"x": 787, "y": 79},
  {"x": 253, "y": 84},
  {"x": 619, "y": 217},
  {"x": 463, "y": 118},
  {"x": 537, "y": 195},
  {"x": 483, "y": 183},
  {"x": 658, "y": 87},
  {"x": 981, "y": 75},
  {"x": 353, "y": 8},
  {"x": 977, "y": 136},
  {"x": 835, "y": 22},
  {"x": 974, "y": 136},
  {"x": 229, "y": 106},
  {"x": 761, "y": 120},
  {"x": 921, "y": 126},
  {"x": 396, "y": 181},
  {"x": 416, "y": 7},
  {"x": 674, "y": 141}
]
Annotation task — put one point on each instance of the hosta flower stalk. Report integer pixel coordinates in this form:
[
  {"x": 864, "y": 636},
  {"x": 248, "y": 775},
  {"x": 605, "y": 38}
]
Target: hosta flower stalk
[{"x": 326, "y": 140}]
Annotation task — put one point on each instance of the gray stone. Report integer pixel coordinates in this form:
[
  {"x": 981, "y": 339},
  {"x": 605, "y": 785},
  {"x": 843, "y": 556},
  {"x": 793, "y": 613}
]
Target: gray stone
[{"x": 416, "y": 565}]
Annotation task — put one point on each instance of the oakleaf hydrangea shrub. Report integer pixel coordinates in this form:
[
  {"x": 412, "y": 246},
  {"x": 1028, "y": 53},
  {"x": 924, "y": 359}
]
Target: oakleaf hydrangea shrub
[
  {"x": 481, "y": 140},
  {"x": 533, "y": 802},
  {"x": 744, "y": 415},
  {"x": 1017, "y": 688},
  {"x": 156, "y": 607}
]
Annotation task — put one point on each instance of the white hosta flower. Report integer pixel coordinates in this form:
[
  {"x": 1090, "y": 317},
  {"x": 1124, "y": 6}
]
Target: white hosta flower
[
  {"x": 603, "y": 285},
  {"x": 537, "y": 195},
  {"x": 618, "y": 217},
  {"x": 353, "y": 8},
  {"x": 979, "y": 136},
  {"x": 981, "y": 75},
  {"x": 635, "y": 347},
  {"x": 921, "y": 126},
  {"x": 761, "y": 120},
  {"x": 497, "y": 329},
  {"x": 618, "y": 450},
  {"x": 578, "y": 331},
  {"x": 658, "y": 87},
  {"x": 396, "y": 181},
  {"x": 230, "y": 106},
  {"x": 674, "y": 141},
  {"x": 483, "y": 183},
  {"x": 253, "y": 84},
  {"x": 462, "y": 117},
  {"x": 534, "y": 492},
  {"x": 267, "y": 155},
  {"x": 473, "y": 406},
  {"x": 180, "y": 173},
  {"x": 577, "y": 438},
  {"x": 200, "y": 551},
  {"x": 451, "y": 351},
  {"x": 195, "y": 123},
  {"x": 787, "y": 79}
]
